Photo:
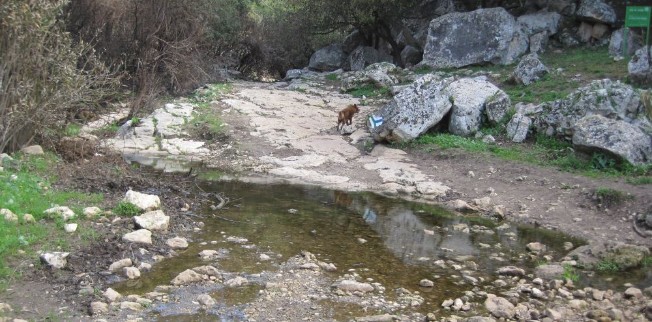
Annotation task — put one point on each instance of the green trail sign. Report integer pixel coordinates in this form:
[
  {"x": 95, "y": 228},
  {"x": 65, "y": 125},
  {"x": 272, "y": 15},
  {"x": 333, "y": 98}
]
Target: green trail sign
[{"x": 637, "y": 16}]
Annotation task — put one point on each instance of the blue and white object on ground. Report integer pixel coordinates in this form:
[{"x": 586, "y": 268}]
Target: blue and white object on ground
[{"x": 375, "y": 121}]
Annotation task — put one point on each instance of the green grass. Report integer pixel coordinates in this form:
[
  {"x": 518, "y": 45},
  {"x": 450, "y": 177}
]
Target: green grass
[
  {"x": 647, "y": 261},
  {"x": 543, "y": 151},
  {"x": 126, "y": 209},
  {"x": 26, "y": 189},
  {"x": 205, "y": 123},
  {"x": 607, "y": 266},
  {"x": 332, "y": 77},
  {"x": 72, "y": 129},
  {"x": 610, "y": 197},
  {"x": 370, "y": 91},
  {"x": 570, "y": 273}
]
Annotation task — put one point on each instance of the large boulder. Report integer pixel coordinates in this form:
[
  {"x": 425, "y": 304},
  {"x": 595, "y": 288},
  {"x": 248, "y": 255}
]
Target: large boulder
[
  {"x": 625, "y": 255},
  {"x": 617, "y": 43},
  {"x": 598, "y": 133},
  {"x": 327, "y": 59},
  {"x": 539, "y": 27},
  {"x": 364, "y": 56},
  {"x": 639, "y": 68},
  {"x": 610, "y": 99},
  {"x": 596, "y": 11},
  {"x": 481, "y": 36},
  {"x": 542, "y": 21},
  {"x": 470, "y": 97},
  {"x": 414, "y": 110},
  {"x": 424, "y": 104}
]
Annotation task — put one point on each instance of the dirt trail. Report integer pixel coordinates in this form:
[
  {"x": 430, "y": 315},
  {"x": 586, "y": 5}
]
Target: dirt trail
[{"x": 291, "y": 135}]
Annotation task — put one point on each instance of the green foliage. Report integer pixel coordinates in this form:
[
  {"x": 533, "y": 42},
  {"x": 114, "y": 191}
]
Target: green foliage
[
  {"x": 332, "y": 77},
  {"x": 647, "y": 261},
  {"x": 570, "y": 273},
  {"x": 44, "y": 75},
  {"x": 126, "y": 209},
  {"x": 640, "y": 180},
  {"x": 601, "y": 161},
  {"x": 607, "y": 266},
  {"x": 72, "y": 129}
]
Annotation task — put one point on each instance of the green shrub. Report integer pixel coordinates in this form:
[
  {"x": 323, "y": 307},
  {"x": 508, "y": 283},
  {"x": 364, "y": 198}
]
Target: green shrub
[
  {"x": 127, "y": 209},
  {"x": 570, "y": 273},
  {"x": 44, "y": 75}
]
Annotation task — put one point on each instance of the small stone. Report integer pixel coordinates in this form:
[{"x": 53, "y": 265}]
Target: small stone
[
  {"x": 120, "y": 264},
  {"x": 70, "y": 228},
  {"x": 236, "y": 281},
  {"x": 187, "y": 277},
  {"x": 511, "y": 271},
  {"x": 98, "y": 308},
  {"x": 141, "y": 236},
  {"x": 471, "y": 174},
  {"x": 143, "y": 201},
  {"x": 8, "y": 215},
  {"x": 536, "y": 247},
  {"x": 55, "y": 259},
  {"x": 597, "y": 295},
  {"x": 133, "y": 306},
  {"x": 633, "y": 292},
  {"x": 91, "y": 212},
  {"x": 5, "y": 308},
  {"x": 293, "y": 211},
  {"x": 153, "y": 220},
  {"x": 353, "y": 286},
  {"x": 206, "y": 300},
  {"x": 131, "y": 272},
  {"x": 447, "y": 303},
  {"x": 33, "y": 150},
  {"x": 264, "y": 257},
  {"x": 177, "y": 243},
  {"x": 111, "y": 295},
  {"x": 64, "y": 213},
  {"x": 426, "y": 283},
  {"x": 29, "y": 218}
]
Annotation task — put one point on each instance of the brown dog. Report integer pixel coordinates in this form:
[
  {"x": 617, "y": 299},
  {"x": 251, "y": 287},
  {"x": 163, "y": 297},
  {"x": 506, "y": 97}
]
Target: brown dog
[{"x": 345, "y": 117}]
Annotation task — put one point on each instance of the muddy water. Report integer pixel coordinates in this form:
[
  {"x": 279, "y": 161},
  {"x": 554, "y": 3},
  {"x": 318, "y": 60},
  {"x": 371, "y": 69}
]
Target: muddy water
[{"x": 393, "y": 242}]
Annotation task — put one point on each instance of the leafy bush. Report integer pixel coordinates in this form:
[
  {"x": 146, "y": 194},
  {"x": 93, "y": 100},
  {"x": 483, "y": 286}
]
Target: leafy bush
[
  {"x": 127, "y": 209},
  {"x": 44, "y": 75}
]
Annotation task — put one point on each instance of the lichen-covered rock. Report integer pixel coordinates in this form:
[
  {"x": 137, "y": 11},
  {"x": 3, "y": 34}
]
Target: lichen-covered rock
[
  {"x": 596, "y": 11},
  {"x": 499, "y": 307},
  {"x": 518, "y": 127},
  {"x": 482, "y": 36},
  {"x": 605, "y": 97},
  {"x": 624, "y": 255},
  {"x": 469, "y": 97},
  {"x": 364, "y": 56},
  {"x": 617, "y": 43},
  {"x": 529, "y": 70},
  {"x": 639, "y": 67},
  {"x": 597, "y": 133}
]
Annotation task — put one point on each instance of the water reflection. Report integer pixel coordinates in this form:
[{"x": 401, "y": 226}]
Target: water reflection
[{"x": 393, "y": 242}]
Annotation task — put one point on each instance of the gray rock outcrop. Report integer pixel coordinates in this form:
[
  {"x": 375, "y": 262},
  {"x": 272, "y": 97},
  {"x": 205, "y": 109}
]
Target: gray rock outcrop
[
  {"x": 624, "y": 255},
  {"x": 596, "y": 11},
  {"x": 617, "y": 43},
  {"x": 605, "y": 97},
  {"x": 424, "y": 104},
  {"x": 364, "y": 56},
  {"x": 327, "y": 59},
  {"x": 518, "y": 127},
  {"x": 470, "y": 97},
  {"x": 481, "y": 36},
  {"x": 639, "y": 67},
  {"x": 414, "y": 110},
  {"x": 597, "y": 133}
]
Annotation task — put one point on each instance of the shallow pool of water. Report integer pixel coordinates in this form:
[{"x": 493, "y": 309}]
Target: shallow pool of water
[{"x": 390, "y": 241}]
